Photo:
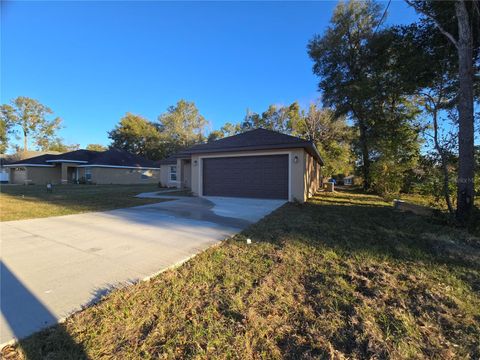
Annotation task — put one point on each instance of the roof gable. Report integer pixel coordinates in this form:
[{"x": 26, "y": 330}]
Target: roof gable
[{"x": 258, "y": 139}]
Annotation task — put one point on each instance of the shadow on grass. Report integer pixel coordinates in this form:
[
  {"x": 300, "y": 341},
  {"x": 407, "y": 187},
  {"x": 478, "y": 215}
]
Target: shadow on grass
[
  {"x": 24, "y": 313},
  {"x": 377, "y": 231}
]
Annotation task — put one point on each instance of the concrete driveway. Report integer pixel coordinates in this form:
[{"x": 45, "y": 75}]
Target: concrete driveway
[{"x": 52, "y": 267}]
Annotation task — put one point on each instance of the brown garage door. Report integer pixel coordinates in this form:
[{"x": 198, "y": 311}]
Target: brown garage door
[{"x": 246, "y": 176}]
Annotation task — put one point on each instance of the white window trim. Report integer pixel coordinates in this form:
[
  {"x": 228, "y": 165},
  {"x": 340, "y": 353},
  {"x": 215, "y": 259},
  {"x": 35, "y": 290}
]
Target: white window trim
[{"x": 289, "y": 153}]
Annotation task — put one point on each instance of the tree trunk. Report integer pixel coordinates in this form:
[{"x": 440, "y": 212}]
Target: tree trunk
[
  {"x": 365, "y": 156},
  {"x": 25, "y": 141},
  {"x": 465, "y": 190},
  {"x": 443, "y": 160}
]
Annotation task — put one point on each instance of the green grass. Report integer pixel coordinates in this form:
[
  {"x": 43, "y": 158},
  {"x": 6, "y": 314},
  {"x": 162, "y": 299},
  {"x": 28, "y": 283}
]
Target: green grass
[
  {"x": 33, "y": 201},
  {"x": 342, "y": 276}
]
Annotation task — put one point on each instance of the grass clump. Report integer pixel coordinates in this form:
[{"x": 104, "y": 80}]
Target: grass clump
[{"x": 342, "y": 276}]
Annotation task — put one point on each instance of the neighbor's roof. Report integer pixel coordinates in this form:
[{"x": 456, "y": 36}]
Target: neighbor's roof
[
  {"x": 258, "y": 139},
  {"x": 171, "y": 160},
  {"x": 108, "y": 158}
]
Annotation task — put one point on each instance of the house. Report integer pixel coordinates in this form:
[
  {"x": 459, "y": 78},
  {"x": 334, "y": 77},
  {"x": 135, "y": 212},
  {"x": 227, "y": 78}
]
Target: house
[
  {"x": 6, "y": 159},
  {"x": 255, "y": 164},
  {"x": 348, "y": 180},
  {"x": 100, "y": 167}
]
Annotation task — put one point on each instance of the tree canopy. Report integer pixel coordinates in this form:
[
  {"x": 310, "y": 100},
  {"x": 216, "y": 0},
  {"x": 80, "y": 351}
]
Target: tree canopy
[{"x": 29, "y": 118}]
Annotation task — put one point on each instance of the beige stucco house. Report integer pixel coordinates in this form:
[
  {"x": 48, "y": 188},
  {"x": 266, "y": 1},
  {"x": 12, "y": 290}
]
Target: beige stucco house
[
  {"x": 255, "y": 164},
  {"x": 97, "y": 167}
]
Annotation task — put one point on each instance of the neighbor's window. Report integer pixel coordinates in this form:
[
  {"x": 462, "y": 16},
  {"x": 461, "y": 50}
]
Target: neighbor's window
[
  {"x": 173, "y": 173},
  {"x": 147, "y": 174},
  {"x": 88, "y": 174}
]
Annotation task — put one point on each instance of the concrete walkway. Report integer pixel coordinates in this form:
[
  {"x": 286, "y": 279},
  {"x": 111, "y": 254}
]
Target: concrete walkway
[{"x": 52, "y": 267}]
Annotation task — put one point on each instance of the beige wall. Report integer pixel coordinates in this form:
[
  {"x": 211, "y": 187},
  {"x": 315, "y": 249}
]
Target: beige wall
[
  {"x": 312, "y": 176},
  {"x": 18, "y": 176},
  {"x": 36, "y": 175},
  {"x": 296, "y": 169},
  {"x": 165, "y": 176},
  {"x": 102, "y": 175}
]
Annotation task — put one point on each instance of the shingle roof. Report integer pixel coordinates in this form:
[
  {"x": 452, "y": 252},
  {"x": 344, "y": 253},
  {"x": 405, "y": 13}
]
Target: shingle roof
[
  {"x": 119, "y": 157},
  {"x": 169, "y": 160},
  {"x": 258, "y": 139},
  {"x": 112, "y": 157}
]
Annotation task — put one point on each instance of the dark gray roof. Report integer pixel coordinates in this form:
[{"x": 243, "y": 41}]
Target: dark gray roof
[
  {"x": 171, "y": 160},
  {"x": 119, "y": 157},
  {"x": 111, "y": 157},
  {"x": 258, "y": 139}
]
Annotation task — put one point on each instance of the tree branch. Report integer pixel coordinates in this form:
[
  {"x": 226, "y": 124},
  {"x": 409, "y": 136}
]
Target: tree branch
[{"x": 437, "y": 24}]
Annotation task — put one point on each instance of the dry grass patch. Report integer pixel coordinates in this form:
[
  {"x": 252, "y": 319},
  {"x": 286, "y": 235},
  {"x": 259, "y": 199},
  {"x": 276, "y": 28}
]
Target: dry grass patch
[{"x": 343, "y": 276}]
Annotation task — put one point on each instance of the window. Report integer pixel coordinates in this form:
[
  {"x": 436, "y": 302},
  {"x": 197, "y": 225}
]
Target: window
[
  {"x": 88, "y": 174},
  {"x": 173, "y": 173},
  {"x": 147, "y": 174}
]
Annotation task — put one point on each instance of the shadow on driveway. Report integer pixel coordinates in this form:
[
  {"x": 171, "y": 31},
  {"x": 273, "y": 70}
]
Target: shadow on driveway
[{"x": 20, "y": 298}]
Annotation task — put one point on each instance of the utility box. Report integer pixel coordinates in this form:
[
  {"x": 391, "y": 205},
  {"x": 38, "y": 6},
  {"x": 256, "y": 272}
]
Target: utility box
[{"x": 330, "y": 187}]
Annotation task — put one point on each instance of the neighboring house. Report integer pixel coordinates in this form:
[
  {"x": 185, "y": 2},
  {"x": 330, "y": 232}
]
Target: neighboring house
[
  {"x": 4, "y": 173},
  {"x": 348, "y": 180},
  {"x": 255, "y": 164},
  {"x": 100, "y": 167},
  {"x": 6, "y": 159}
]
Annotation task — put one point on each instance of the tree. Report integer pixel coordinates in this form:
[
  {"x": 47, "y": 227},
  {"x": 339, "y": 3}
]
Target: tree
[
  {"x": 229, "y": 129},
  {"x": 181, "y": 126},
  {"x": 137, "y": 135},
  {"x": 4, "y": 130},
  {"x": 96, "y": 147},
  {"x": 331, "y": 135},
  {"x": 30, "y": 116},
  {"x": 459, "y": 22},
  {"x": 58, "y": 145},
  {"x": 341, "y": 61},
  {"x": 276, "y": 118},
  {"x": 215, "y": 135}
]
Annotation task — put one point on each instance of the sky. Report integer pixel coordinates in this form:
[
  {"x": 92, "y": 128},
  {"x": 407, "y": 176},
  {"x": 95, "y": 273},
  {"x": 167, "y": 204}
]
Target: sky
[{"x": 91, "y": 62}]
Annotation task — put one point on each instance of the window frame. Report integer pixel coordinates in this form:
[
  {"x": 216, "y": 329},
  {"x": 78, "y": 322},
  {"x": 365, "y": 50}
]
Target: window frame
[
  {"x": 172, "y": 174},
  {"x": 88, "y": 174}
]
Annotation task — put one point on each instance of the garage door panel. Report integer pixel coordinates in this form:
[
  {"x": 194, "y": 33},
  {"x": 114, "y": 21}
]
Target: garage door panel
[{"x": 247, "y": 176}]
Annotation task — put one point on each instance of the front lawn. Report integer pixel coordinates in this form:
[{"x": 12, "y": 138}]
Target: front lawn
[
  {"x": 33, "y": 201},
  {"x": 342, "y": 276}
]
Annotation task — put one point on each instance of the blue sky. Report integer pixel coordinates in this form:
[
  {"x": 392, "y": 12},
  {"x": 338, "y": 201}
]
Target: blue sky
[{"x": 91, "y": 62}]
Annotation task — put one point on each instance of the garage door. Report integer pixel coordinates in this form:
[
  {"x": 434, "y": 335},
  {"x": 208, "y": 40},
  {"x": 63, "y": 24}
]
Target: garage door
[{"x": 247, "y": 176}]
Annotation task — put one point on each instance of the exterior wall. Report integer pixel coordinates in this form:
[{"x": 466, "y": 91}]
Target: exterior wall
[
  {"x": 44, "y": 175},
  {"x": 296, "y": 170},
  {"x": 312, "y": 176},
  {"x": 36, "y": 175},
  {"x": 165, "y": 176},
  {"x": 18, "y": 176},
  {"x": 102, "y": 175}
]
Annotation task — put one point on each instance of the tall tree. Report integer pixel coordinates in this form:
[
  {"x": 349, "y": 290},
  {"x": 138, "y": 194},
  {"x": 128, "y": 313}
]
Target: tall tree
[
  {"x": 331, "y": 135},
  {"x": 341, "y": 61},
  {"x": 182, "y": 126},
  {"x": 137, "y": 135},
  {"x": 30, "y": 117},
  {"x": 459, "y": 22}
]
